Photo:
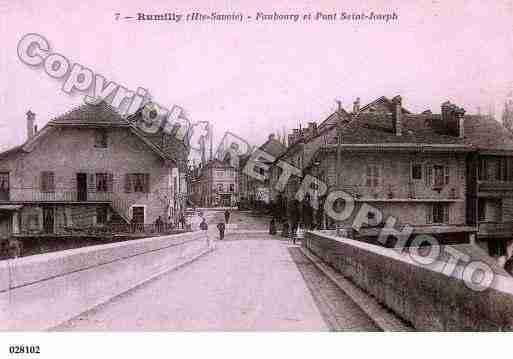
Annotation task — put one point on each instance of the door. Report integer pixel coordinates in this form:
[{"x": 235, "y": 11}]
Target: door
[
  {"x": 82, "y": 187},
  {"x": 138, "y": 215},
  {"x": 48, "y": 219},
  {"x": 4, "y": 186}
]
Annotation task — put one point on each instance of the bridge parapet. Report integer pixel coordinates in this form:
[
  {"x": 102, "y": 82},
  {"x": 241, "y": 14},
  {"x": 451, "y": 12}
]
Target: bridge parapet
[
  {"x": 42, "y": 291},
  {"x": 429, "y": 297}
]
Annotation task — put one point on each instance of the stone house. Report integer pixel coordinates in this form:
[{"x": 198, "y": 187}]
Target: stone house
[
  {"x": 256, "y": 191},
  {"x": 215, "y": 184},
  {"x": 85, "y": 168}
]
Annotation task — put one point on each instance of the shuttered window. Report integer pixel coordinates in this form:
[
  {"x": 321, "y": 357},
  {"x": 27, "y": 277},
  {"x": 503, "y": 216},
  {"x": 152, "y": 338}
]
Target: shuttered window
[
  {"x": 47, "y": 182},
  {"x": 372, "y": 176},
  {"x": 438, "y": 213},
  {"x": 137, "y": 182},
  {"x": 104, "y": 182}
]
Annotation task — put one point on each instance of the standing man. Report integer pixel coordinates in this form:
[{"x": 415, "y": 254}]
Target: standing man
[
  {"x": 227, "y": 216},
  {"x": 221, "y": 228}
]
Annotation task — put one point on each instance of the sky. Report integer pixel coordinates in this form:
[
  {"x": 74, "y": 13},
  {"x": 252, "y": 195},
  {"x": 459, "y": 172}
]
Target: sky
[{"x": 254, "y": 77}]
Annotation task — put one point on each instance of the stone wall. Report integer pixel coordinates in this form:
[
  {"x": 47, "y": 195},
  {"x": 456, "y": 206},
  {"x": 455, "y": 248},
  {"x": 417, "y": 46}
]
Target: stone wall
[
  {"x": 424, "y": 297},
  {"x": 42, "y": 291}
]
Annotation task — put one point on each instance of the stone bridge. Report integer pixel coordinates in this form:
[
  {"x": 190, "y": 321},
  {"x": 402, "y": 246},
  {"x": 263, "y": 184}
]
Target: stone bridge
[{"x": 250, "y": 281}]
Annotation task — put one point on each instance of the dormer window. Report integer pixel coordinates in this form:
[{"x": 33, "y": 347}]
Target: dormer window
[{"x": 100, "y": 139}]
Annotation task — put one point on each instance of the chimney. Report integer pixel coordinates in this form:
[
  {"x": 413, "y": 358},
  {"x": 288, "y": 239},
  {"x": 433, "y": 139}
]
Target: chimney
[
  {"x": 397, "y": 115},
  {"x": 31, "y": 119},
  {"x": 312, "y": 128},
  {"x": 453, "y": 119},
  {"x": 356, "y": 105}
]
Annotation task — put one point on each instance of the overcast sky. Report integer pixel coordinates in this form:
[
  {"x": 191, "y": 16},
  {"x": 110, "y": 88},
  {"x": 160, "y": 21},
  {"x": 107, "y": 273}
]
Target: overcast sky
[{"x": 254, "y": 78}]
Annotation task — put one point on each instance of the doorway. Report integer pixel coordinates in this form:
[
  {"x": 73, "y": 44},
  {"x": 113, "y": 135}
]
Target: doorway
[
  {"x": 82, "y": 187},
  {"x": 138, "y": 214},
  {"x": 48, "y": 219}
]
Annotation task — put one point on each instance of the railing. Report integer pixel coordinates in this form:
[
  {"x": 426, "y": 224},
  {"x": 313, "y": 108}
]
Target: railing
[
  {"x": 495, "y": 229},
  {"x": 57, "y": 196},
  {"x": 495, "y": 186}
]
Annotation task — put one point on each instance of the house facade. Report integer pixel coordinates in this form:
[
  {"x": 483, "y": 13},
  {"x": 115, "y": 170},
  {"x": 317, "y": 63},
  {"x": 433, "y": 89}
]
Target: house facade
[
  {"x": 216, "y": 184},
  {"x": 86, "y": 168},
  {"x": 407, "y": 166},
  {"x": 255, "y": 190}
]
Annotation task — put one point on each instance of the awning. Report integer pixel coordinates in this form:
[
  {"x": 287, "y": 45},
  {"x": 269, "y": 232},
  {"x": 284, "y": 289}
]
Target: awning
[{"x": 10, "y": 207}]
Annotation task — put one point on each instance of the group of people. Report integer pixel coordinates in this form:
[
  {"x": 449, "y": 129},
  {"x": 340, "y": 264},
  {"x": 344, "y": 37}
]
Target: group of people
[
  {"x": 289, "y": 231},
  {"x": 221, "y": 226}
]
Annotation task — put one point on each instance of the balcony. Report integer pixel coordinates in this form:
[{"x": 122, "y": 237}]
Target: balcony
[
  {"x": 33, "y": 195},
  {"x": 494, "y": 188},
  {"x": 495, "y": 230}
]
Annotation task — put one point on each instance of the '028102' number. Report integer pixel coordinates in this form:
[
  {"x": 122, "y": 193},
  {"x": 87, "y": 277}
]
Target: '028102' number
[{"x": 24, "y": 349}]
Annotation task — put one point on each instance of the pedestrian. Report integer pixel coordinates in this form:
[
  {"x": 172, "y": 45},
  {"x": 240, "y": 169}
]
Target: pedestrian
[
  {"x": 272, "y": 227},
  {"x": 227, "y": 216},
  {"x": 203, "y": 225},
  {"x": 182, "y": 221},
  {"x": 294, "y": 231},
  {"x": 221, "y": 227},
  {"x": 159, "y": 224}
]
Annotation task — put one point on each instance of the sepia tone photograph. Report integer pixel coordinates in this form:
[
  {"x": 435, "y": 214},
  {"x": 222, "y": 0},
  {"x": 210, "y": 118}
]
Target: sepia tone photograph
[{"x": 301, "y": 167}]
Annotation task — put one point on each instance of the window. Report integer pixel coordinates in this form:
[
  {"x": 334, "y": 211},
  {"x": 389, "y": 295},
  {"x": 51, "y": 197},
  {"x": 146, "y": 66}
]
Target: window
[
  {"x": 483, "y": 169},
  {"x": 220, "y": 187},
  {"x": 137, "y": 182},
  {"x": 100, "y": 139},
  {"x": 261, "y": 170},
  {"x": 101, "y": 215},
  {"x": 372, "y": 176},
  {"x": 439, "y": 176},
  {"x": 496, "y": 247},
  {"x": 4, "y": 185},
  {"x": 104, "y": 182},
  {"x": 47, "y": 182},
  {"x": 504, "y": 169},
  {"x": 438, "y": 213},
  {"x": 416, "y": 172},
  {"x": 481, "y": 210},
  {"x": 232, "y": 187}
]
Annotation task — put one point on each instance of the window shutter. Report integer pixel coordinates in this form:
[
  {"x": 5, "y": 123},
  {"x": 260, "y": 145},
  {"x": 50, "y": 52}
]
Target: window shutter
[
  {"x": 446, "y": 214},
  {"x": 369, "y": 176},
  {"x": 91, "y": 182},
  {"x": 447, "y": 174},
  {"x": 110, "y": 182},
  {"x": 429, "y": 175},
  {"x": 51, "y": 183},
  {"x": 43, "y": 182},
  {"x": 147, "y": 183},
  {"x": 429, "y": 214},
  {"x": 128, "y": 183}
]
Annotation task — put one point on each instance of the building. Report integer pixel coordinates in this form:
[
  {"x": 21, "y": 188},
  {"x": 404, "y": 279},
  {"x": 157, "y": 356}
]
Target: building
[
  {"x": 446, "y": 174},
  {"x": 255, "y": 191},
  {"x": 215, "y": 184},
  {"x": 89, "y": 167}
]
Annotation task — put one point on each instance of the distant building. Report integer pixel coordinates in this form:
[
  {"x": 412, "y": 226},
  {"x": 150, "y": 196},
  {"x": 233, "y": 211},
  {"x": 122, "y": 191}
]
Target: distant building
[
  {"x": 215, "y": 184},
  {"x": 89, "y": 167},
  {"x": 255, "y": 190}
]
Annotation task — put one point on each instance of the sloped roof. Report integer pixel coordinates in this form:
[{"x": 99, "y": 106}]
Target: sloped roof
[
  {"x": 273, "y": 147},
  {"x": 484, "y": 133},
  {"x": 384, "y": 101},
  {"x": 103, "y": 115},
  {"x": 370, "y": 128},
  {"x": 100, "y": 114}
]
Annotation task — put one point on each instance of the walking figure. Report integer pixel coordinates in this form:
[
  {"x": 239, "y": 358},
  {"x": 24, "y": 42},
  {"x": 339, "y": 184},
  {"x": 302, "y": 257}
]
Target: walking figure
[
  {"x": 272, "y": 226},
  {"x": 203, "y": 225},
  {"x": 221, "y": 227},
  {"x": 227, "y": 216}
]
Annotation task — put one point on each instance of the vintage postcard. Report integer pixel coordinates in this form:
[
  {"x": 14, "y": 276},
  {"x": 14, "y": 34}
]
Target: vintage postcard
[{"x": 330, "y": 166}]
